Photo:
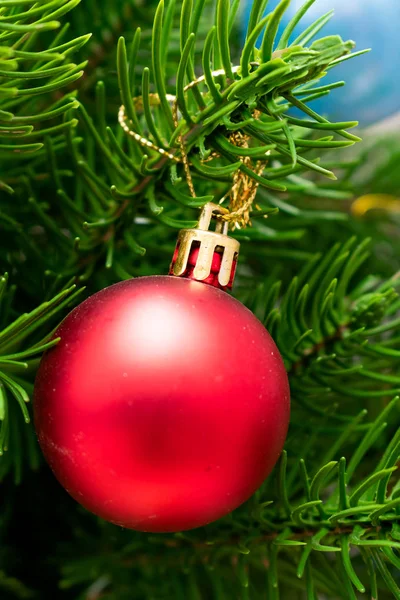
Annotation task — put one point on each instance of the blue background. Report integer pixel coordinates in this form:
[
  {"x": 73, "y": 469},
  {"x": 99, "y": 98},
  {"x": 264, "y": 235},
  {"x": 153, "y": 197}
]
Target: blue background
[{"x": 372, "y": 90}]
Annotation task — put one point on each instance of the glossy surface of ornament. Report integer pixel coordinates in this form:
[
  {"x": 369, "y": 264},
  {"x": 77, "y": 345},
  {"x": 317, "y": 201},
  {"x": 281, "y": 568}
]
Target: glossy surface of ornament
[{"x": 164, "y": 406}]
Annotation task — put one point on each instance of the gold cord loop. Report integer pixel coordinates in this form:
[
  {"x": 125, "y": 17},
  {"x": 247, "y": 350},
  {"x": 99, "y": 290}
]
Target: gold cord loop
[{"x": 244, "y": 187}]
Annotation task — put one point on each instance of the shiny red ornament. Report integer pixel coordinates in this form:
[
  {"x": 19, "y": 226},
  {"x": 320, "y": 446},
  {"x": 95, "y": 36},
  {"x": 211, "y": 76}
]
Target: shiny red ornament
[{"x": 164, "y": 406}]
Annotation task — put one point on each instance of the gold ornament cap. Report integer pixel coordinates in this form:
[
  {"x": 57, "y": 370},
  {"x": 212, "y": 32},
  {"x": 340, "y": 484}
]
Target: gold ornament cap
[{"x": 204, "y": 255}]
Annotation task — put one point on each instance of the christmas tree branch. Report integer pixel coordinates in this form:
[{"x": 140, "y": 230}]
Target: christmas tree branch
[
  {"x": 20, "y": 27},
  {"x": 19, "y": 353},
  {"x": 130, "y": 179},
  {"x": 298, "y": 529},
  {"x": 314, "y": 513},
  {"x": 90, "y": 199}
]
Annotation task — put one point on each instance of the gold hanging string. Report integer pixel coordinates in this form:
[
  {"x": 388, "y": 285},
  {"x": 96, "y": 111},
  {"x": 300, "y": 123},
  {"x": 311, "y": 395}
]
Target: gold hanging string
[
  {"x": 123, "y": 121},
  {"x": 244, "y": 188},
  {"x": 184, "y": 156},
  {"x": 172, "y": 99}
]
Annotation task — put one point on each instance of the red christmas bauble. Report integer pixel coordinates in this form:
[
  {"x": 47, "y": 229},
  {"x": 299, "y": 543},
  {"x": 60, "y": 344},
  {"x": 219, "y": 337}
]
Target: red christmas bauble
[{"x": 164, "y": 405}]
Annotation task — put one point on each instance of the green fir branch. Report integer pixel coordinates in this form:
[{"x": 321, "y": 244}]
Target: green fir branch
[{"x": 93, "y": 205}]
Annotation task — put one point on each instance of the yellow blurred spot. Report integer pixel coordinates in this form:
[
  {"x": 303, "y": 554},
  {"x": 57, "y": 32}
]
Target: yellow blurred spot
[{"x": 378, "y": 201}]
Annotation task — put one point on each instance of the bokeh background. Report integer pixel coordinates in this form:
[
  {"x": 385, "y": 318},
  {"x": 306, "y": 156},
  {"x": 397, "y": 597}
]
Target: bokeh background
[{"x": 372, "y": 90}]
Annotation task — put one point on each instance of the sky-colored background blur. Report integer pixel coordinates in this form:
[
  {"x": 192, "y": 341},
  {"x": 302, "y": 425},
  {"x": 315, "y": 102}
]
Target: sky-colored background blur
[{"x": 372, "y": 91}]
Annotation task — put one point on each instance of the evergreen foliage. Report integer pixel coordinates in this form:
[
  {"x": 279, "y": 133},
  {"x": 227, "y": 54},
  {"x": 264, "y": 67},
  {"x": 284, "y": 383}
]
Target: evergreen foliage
[{"x": 83, "y": 205}]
